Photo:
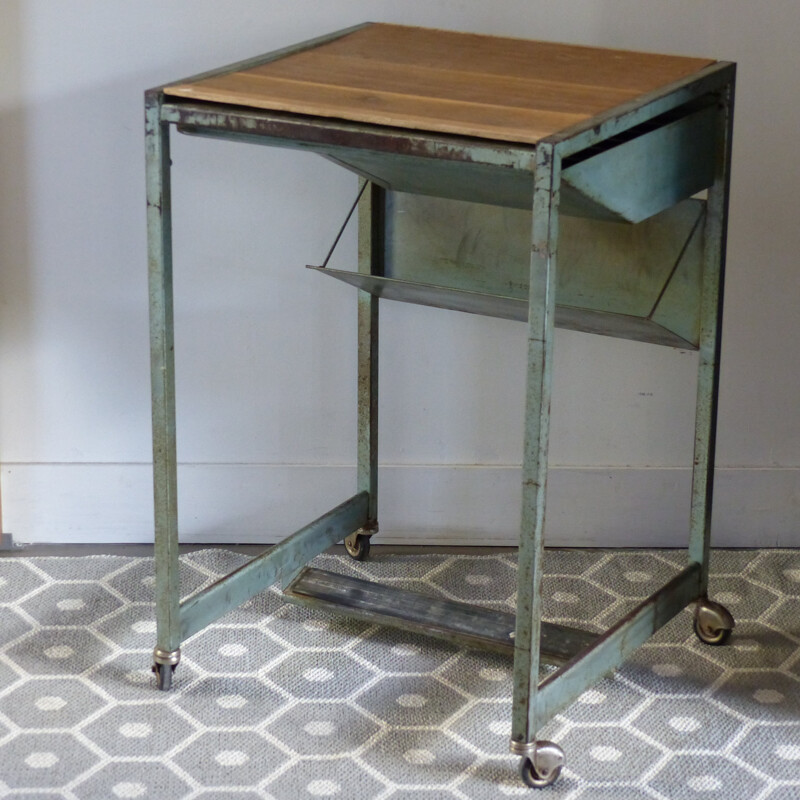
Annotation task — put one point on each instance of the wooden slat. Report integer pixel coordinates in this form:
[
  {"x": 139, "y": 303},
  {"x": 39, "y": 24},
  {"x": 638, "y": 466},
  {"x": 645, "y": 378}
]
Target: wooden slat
[
  {"x": 466, "y": 84},
  {"x": 479, "y": 54},
  {"x": 436, "y": 83},
  {"x": 449, "y": 619},
  {"x": 491, "y": 122}
]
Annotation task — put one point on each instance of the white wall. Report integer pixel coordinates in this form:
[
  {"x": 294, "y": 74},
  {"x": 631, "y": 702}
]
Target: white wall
[{"x": 266, "y": 361}]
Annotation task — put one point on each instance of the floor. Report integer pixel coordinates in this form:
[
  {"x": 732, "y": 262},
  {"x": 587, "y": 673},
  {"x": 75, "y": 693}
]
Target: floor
[
  {"x": 36, "y": 550},
  {"x": 266, "y": 707}
]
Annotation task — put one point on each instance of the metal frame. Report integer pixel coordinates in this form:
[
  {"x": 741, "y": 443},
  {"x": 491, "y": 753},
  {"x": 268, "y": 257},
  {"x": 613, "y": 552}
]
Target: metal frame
[{"x": 584, "y": 657}]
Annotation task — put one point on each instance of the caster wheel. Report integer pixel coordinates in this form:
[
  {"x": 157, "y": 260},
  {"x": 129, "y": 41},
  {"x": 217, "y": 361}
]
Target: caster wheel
[
  {"x": 163, "y": 673},
  {"x": 357, "y": 546},
  {"x": 713, "y": 623},
  {"x": 543, "y": 766}
]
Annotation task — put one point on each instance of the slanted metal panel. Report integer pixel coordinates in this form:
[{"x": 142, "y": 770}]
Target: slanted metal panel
[
  {"x": 629, "y": 182},
  {"x": 426, "y": 294},
  {"x": 469, "y": 246},
  {"x": 620, "y": 326},
  {"x": 648, "y": 174},
  {"x": 644, "y": 108},
  {"x": 611, "y": 275},
  {"x": 622, "y": 269},
  {"x": 678, "y": 309},
  {"x": 475, "y": 183},
  {"x": 578, "y": 204}
]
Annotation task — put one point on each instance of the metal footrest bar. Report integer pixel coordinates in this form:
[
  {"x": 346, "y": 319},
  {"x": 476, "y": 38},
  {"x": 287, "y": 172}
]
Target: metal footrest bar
[
  {"x": 282, "y": 560},
  {"x": 448, "y": 619},
  {"x": 610, "y": 649}
]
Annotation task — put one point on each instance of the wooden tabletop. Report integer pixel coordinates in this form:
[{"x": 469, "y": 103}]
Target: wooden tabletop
[{"x": 460, "y": 83}]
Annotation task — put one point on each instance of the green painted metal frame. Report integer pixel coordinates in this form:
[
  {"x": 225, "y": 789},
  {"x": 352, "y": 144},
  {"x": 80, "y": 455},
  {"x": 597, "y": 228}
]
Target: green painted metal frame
[
  {"x": 711, "y": 306},
  {"x": 162, "y": 376},
  {"x": 280, "y": 563},
  {"x": 370, "y": 257},
  {"x": 534, "y": 702}
]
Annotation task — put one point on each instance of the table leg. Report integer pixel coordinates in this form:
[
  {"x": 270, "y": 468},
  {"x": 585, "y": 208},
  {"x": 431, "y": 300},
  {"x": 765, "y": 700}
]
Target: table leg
[
  {"x": 713, "y": 623},
  {"x": 542, "y": 761},
  {"x": 162, "y": 364},
  {"x": 370, "y": 261}
]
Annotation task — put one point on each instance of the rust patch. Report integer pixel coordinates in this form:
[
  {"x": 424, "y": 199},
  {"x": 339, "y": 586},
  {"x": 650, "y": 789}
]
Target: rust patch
[{"x": 305, "y": 130}]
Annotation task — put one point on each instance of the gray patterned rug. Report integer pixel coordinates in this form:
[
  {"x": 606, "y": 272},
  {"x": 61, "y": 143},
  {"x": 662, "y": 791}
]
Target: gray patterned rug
[{"x": 276, "y": 702}]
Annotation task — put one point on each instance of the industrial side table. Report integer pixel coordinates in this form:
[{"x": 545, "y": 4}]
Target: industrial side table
[{"x": 541, "y": 182}]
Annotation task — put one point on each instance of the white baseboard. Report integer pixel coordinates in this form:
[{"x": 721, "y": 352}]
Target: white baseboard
[{"x": 458, "y": 505}]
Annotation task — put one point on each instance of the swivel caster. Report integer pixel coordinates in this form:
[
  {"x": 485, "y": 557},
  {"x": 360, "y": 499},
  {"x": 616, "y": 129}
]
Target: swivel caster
[
  {"x": 163, "y": 673},
  {"x": 542, "y": 764},
  {"x": 357, "y": 546},
  {"x": 713, "y": 622},
  {"x": 164, "y": 663}
]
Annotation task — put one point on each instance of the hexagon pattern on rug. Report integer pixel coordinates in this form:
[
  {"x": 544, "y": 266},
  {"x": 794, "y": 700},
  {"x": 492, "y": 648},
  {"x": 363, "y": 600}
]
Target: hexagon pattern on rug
[{"x": 279, "y": 702}]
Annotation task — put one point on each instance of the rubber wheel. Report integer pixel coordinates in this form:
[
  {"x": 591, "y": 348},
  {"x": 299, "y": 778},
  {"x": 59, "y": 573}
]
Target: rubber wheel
[
  {"x": 530, "y": 777},
  {"x": 359, "y": 551},
  {"x": 163, "y": 673},
  {"x": 713, "y": 636}
]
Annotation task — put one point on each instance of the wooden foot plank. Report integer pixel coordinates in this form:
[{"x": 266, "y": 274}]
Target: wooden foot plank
[{"x": 459, "y": 622}]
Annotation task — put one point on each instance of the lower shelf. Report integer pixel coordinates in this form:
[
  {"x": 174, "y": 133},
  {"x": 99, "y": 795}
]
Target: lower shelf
[{"x": 460, "y": 622}]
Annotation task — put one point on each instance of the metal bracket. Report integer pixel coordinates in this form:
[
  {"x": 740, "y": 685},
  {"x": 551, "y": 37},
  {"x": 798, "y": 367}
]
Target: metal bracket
[
  {"x": 522, "y": 748},
  {"x": 167, "y": 657},
  {"x": 341, "y": 230}
]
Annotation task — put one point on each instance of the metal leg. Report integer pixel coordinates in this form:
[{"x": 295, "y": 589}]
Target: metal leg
[
  {"x": 370, "y": 261},
  {"x": 712, "y": 622},
  {"x": 539, "y": 758},
  {"x": 159, "y": 240}
]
